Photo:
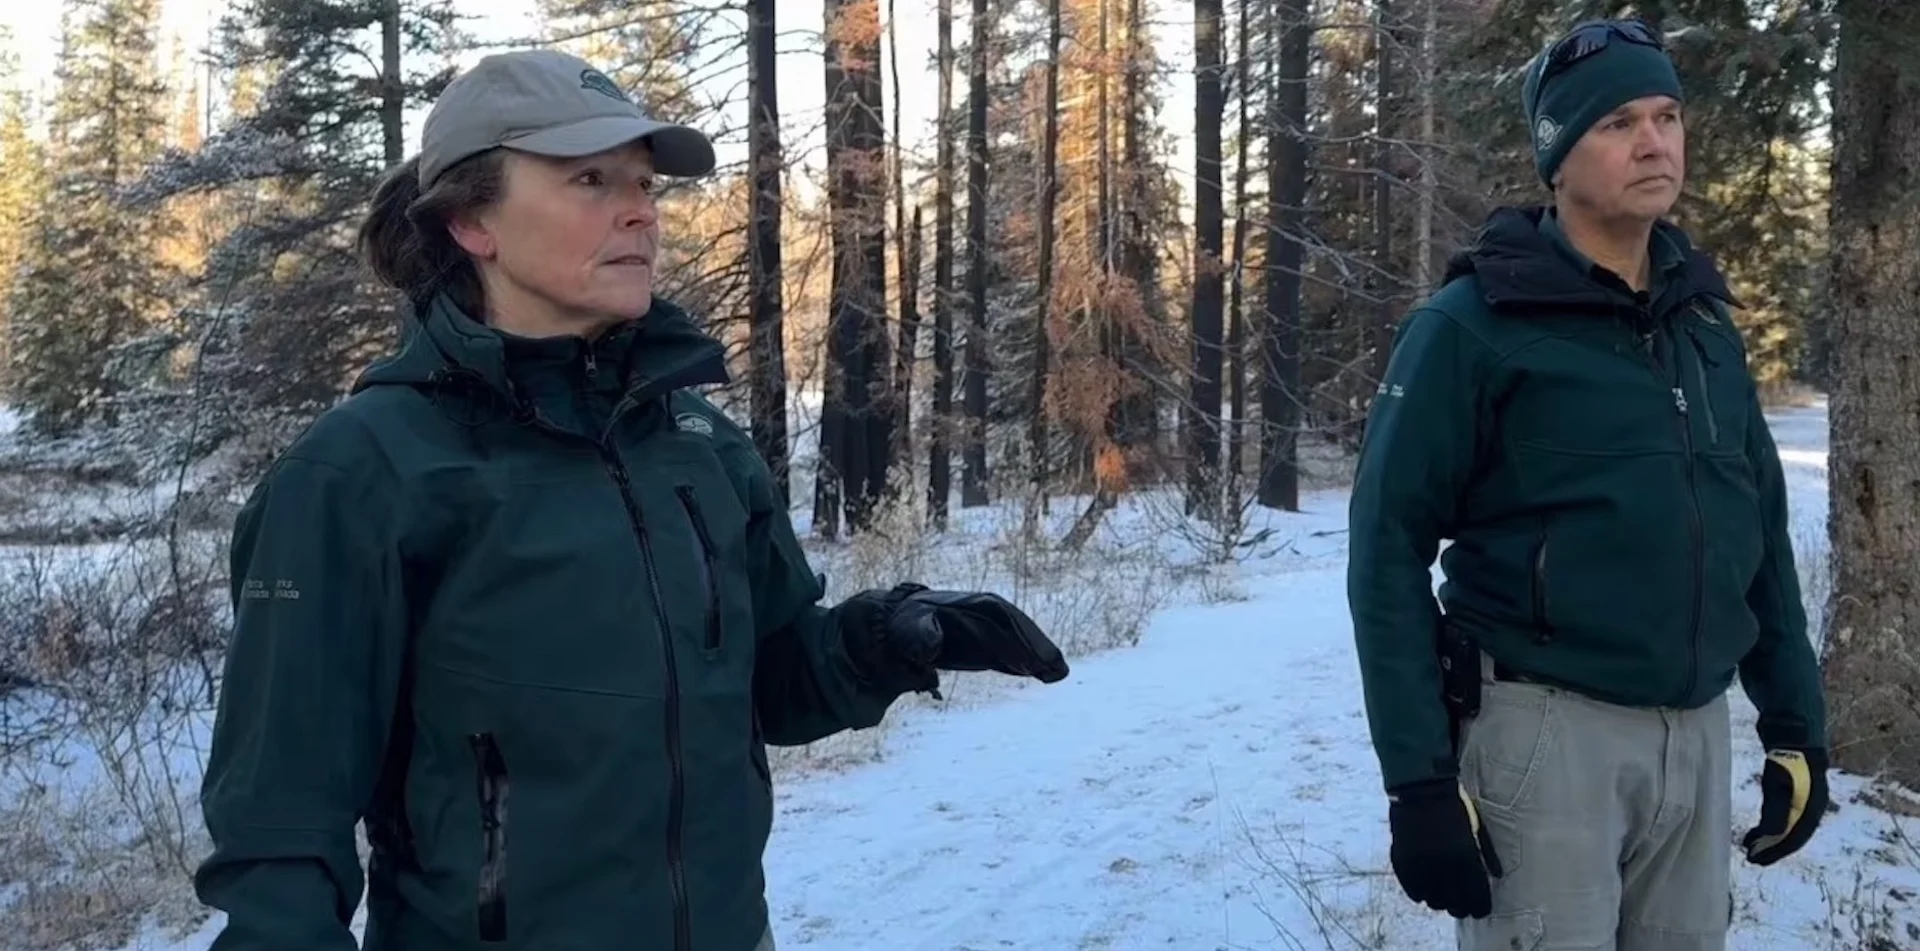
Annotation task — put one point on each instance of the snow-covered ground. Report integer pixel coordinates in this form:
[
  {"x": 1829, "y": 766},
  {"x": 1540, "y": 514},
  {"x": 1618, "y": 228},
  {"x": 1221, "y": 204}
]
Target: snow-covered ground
[{"x": 1212, "y": 788}]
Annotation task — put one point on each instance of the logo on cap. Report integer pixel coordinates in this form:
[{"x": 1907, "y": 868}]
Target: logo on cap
[
  {"x": 598, "y": 82},
  {"x": 1545, "y": 131}
]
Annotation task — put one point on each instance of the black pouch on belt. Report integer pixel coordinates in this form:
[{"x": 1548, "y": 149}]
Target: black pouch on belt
[{"x": 1459, "y": 677}]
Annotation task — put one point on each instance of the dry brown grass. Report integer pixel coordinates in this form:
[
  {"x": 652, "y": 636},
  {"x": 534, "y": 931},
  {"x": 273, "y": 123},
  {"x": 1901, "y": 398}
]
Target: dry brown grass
[
  {"x": 83, "y": 875},
  {"x": 98, "y": 739},
  {"x": 1088, "y": 600}
]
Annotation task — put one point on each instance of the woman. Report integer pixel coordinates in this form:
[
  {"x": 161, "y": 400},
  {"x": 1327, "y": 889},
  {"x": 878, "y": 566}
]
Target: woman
[{"x": 525, "y": 603}]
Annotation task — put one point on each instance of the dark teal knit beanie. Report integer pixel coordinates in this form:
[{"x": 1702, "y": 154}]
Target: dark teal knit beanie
[{"x": 1562, "y": 108}]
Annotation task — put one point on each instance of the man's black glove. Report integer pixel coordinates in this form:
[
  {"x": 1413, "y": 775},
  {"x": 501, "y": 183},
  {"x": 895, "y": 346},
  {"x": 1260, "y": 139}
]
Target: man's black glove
[
  {"x": 900, "y": 639},
  {"x": 1793, "y": 790},
  {"x": 1441, "y": 852}
]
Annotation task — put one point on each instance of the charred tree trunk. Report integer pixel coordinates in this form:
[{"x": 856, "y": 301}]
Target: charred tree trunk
[
  {"x": 1108, "y": 335},
  {"x": 900, "y": 422},
  {"x": 1134, "y": 417},
  {"x": 1429, "y": 187},
  {"x": 1872, "y": 641},
  {"x": 973, "y": 480},
  {"x": 907, "y": 351},
  {"x": 1385, "y": 285},
  {"x": 1042, "y": 351},
  {"x": 1203, "y": 410},
  {"x": 766, "y": 348},
  {"x": 1286, "y": 192},
  {"x": 874, "y": 346},
  {"x": 1379, "y": 339},
  {"x": 856, "y": 197},
  {"x": 939, "y": 452},
  {"x": 393, "y": 86},
  {"x": 1104, "y": 242},
  {"x": 1237, "y": 308}
]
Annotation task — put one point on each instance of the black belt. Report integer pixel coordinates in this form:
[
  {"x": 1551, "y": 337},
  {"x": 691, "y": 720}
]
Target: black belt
[{"x": 1503, "y": 672}]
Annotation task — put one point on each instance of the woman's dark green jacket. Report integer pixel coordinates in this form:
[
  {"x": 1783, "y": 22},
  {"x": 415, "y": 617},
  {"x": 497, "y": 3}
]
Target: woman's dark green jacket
[{"x": 530, "y": 608}]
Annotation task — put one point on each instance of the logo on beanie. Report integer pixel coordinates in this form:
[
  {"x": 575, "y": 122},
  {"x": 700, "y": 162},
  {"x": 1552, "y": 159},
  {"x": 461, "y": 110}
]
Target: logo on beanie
[
  {"x": 598, "y": 82},
  {"x": 1544, "y": 132}
]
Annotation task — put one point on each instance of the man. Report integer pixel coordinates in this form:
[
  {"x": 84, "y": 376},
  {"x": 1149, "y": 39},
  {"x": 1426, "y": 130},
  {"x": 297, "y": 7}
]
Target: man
[{"x": 1573, "y": 411}]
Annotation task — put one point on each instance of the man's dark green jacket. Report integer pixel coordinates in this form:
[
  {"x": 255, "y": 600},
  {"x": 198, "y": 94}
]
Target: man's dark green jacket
[
  {"x": 530, "y": 608},
  {"x": 1599, "y": 460}
]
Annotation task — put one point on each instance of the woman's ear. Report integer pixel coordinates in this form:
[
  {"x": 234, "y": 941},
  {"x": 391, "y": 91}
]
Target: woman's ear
[{"x": 473, "y": 236}]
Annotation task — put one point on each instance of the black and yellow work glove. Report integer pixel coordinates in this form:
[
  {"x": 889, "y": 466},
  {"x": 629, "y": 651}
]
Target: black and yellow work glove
[
  {"x": 1441, "y": 852},
  {"x": 1793, "y": 790}
]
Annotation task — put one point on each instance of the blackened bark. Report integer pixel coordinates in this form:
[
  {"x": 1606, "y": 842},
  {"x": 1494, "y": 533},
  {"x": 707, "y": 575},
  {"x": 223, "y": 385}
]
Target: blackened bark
[{"x": 1872, "y": 637}]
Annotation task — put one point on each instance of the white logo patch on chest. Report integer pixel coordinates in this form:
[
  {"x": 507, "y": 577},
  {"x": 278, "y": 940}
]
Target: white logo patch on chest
[{"x": 694, "y": 423}]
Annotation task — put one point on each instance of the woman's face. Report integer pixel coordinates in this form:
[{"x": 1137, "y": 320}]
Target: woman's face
[{"x": 570, "y": 246}]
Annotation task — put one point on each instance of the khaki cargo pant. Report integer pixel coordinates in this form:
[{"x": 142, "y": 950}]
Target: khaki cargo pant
[{"x": 1613, "y": 823}]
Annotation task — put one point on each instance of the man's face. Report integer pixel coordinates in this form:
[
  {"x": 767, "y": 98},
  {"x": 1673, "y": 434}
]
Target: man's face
[{"x": 1631, "y": 163}]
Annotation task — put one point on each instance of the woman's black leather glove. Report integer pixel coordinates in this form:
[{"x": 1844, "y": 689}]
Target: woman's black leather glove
[{"x": 900, "y": 639}]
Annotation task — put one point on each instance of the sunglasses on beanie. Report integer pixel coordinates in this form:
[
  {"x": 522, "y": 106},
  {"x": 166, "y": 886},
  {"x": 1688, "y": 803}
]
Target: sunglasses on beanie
[{"x": 1591, "y": 38}]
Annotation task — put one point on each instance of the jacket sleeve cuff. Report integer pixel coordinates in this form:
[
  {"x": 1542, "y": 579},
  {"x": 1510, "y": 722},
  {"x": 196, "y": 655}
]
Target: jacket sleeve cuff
[
  {"x": 1787, "y": 733},
  {"x": 1419, "y": 789}
]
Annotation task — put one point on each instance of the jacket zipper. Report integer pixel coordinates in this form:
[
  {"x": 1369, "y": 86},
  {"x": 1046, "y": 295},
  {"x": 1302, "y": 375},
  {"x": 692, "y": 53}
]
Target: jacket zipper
[
  {"x": 707, "y": 561},
  {"x": 1695, "y": 522},
  {"x": 676, "y": 801},
  {"x": 1695, "y": 526},
  {"x": 491, "y": 774},
  {"x": 1700, "y": 364}
]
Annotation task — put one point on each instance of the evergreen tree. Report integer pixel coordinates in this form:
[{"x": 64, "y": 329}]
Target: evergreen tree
[
  {"x": 91, "y": 280},
  {"x": 20, "y": 188},
  {"x": 286, "y": 312}
]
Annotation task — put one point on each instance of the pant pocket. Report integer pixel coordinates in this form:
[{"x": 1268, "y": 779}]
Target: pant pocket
[
  {"x": 1509, "y": 931},
  {"x": 1507, "y": 745}
]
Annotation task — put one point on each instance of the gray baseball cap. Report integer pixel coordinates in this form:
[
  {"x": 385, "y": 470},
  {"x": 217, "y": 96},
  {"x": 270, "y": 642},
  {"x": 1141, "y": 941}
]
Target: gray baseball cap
[{"x": 548, "y": 103}]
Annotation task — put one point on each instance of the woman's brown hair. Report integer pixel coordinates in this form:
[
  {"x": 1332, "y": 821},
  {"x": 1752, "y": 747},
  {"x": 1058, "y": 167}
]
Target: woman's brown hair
[{"x": 404, "y": 236}]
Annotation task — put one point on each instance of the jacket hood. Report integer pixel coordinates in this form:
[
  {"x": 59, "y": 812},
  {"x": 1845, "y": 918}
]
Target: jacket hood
[
  {"x": 655, "y": 353},
  {"x": 1521, "y": 268}
]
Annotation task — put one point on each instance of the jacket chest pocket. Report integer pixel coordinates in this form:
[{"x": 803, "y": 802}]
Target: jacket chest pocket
[
  {"x": 1717, "y": 373},
  {"x": 706, "y": 558},
  {"x": 706, "y": 582}
]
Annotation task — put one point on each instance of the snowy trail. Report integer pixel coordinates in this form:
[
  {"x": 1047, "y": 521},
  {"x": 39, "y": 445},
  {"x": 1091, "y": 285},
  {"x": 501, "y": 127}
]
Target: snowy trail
[
  {"x": 1102, "y": 811},
  {"x": 1180, "y": 793}
]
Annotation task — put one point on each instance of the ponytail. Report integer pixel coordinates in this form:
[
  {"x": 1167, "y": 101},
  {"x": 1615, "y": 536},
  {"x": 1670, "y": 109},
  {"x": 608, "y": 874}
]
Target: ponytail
[{"x": 404, "y": 237}]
